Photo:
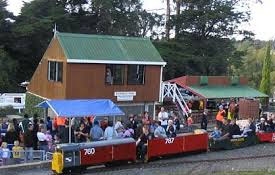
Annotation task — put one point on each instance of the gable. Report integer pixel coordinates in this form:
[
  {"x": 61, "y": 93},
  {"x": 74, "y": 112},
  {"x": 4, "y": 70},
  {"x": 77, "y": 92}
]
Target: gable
[{"x": 82, "y": 48}]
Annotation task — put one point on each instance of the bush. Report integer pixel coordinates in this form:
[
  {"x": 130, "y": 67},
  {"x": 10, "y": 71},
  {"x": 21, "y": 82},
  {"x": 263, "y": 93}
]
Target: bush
[
  {"x": 30, "y": 103},
  {"x": 8, "y": 110}
]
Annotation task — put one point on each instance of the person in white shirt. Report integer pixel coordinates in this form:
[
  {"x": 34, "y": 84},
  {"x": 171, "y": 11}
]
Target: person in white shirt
[
  {"x": 42, "y": 138},
  {"x": 159, "y": 131},
  {"x": 163, "y": 117},
  {"x": 110, "y": 132}
]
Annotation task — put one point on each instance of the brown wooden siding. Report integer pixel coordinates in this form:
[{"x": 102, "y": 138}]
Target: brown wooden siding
[
  {"x": 39, "y": 84},
  {"x": 88, "y": 81},
  {"x": 213, "y": 80}
]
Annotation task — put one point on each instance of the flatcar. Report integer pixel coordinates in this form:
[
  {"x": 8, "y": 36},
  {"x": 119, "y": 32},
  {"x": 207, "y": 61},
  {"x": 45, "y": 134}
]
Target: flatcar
[
  {"x": 233, "y": 143},
  {"x": 81, "y": 155}
]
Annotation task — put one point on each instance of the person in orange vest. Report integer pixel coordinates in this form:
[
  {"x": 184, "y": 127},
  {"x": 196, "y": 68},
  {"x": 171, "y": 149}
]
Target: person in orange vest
[
  {"x": 59, "y": 123},
  {"x": 220, "y": 116}
]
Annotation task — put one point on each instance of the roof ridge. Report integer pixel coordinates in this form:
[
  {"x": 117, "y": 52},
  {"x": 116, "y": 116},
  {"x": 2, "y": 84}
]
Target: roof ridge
[{"x": 80, "y": 35}]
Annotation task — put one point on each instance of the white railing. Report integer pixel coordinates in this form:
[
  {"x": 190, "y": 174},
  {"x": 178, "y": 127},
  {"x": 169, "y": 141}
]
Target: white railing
[
  {"x": 171, "y": 90},
  {"x": 25, "y": 156}
]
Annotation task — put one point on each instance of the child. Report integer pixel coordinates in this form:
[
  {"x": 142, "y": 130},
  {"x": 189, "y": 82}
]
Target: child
[
  {"x": 216, "y": 133},
  {"x": 5, "y": 152},
  {"x": 189, "y": 123},
  {"x": 17, "y": 152},
  {"x": 49, "y": 140}
]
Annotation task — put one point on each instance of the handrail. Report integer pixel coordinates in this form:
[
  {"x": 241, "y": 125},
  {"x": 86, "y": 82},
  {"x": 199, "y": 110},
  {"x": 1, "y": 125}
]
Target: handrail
[{"x": 171, "y": 90}]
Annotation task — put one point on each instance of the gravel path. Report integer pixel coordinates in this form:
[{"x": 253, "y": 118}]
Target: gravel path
[{"x": 197, "y": 167}]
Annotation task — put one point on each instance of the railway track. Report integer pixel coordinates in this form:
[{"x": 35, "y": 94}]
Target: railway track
[{"x": 166, "y": 163}]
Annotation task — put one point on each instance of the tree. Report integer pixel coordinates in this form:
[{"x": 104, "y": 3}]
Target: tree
[
  {"x": 167, "y": 21},
  {"x": 7, "y": 64},
  {"x": 265, "y": 86},
  {"x": 203, "y": 29}
]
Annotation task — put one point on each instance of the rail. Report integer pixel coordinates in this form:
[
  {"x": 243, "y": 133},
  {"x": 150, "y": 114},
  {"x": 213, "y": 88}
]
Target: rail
[
  {"x": 171, "y": 90},
  {"x": 23, "y": 156}
]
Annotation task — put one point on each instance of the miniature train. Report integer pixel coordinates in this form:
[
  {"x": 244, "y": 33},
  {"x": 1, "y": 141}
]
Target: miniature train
[{"x": 81, "y": 155}]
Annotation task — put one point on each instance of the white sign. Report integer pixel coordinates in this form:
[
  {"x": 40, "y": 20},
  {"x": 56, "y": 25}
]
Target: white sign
[{"x": 125, "y": 96}]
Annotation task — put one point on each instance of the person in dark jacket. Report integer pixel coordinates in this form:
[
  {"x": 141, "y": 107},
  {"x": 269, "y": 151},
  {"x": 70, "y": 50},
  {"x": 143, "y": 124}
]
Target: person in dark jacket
[
  {"x": 204, "y": 121},
  {"x": 64, "y": 134},
  {"x": 24, "y": 124},
  {"x": 11, "y": 135},
  {"x": 29, "y": 142},
  {"x": 35, "y": 131},
  {"x": 234, "y": 129}
]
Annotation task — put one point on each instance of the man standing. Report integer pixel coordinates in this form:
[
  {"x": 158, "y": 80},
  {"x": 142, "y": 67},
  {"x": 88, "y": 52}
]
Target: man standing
[
  {"x": 204, "y": 120},
  {"x": 25, "y": 123},
  {"x": 29, "y": 142},
  {"x": 163, "y": 117}
]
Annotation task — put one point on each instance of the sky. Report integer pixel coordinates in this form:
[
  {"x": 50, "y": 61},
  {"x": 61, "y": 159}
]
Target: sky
[{"x": 261, "y": 23}]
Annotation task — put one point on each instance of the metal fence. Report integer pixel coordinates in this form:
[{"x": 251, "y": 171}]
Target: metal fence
[{"x": 25, "y": 156}]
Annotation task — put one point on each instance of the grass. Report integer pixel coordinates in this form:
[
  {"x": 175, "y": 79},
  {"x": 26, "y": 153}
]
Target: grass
[{"x": 247, "y": 173}]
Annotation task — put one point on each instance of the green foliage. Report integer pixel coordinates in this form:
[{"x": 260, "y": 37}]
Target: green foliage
[
  {"x": 7, "y": 111},
  {"x": 30, "y": 103},
  {"x": 265, "y": 86}
]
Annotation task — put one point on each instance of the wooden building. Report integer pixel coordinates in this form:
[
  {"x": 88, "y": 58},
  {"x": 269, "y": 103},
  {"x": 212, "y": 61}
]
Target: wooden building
[{"x": 127, "y": 70}]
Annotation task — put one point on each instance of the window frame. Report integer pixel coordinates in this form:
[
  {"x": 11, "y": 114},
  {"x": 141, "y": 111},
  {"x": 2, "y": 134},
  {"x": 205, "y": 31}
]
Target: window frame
[
  {"x": 143, "y": 78},
  {"x": 113, "y": 68},
  {"x": 57, "y": 72}
]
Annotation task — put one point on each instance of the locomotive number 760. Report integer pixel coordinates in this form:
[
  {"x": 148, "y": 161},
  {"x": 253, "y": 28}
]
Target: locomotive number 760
[{"x": 89, "y": 151}]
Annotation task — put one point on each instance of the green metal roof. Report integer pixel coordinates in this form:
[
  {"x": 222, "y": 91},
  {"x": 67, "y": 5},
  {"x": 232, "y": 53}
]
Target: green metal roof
[
  {"x": 86, "y": 48},
  {"x": 212, "y": 92}
]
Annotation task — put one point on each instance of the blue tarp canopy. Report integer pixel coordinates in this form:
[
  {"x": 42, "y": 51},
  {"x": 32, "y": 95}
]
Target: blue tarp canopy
[{"x": 82, "y": 108}]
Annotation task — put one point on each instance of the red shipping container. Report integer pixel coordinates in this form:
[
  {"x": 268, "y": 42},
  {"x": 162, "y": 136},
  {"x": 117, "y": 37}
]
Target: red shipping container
[{"x": 248, "y": 108}]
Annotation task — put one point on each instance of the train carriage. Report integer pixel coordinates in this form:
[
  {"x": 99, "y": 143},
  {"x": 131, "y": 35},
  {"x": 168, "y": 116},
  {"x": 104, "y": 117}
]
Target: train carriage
[
  {"x": 266, "y": 137},
  {"x": 233, "y": 143}
]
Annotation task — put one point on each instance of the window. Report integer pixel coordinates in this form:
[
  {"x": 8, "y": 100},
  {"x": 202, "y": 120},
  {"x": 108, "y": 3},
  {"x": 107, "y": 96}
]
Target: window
[
  {"x": 114, "y": 74},
  {"x": 55, "y": 70},
  {"x": 17, "y": 100},
  {"x": 136, "y": 74}
]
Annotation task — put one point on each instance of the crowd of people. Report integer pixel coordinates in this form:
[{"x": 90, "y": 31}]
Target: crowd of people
[
  {"x": 19, "y": 139},
  {"x": 226, "y": 127}
]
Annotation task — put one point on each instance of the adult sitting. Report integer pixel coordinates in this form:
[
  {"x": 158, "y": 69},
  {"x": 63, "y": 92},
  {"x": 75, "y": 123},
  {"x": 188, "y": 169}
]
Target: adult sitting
[
  {"x": 129, "y": 132},
  {"x": 82, "y": 133},
  {"x": 142, "y": 142},
  {"x": 234, "y": 129},
  {"x": 110, "y": 132},
  {"x": 170, "y": 131},
  {"x": 159, "y": 131},
  {"x": 96, "y": 132},
  {"x": 225, "y": 130},
  {"x": 262, "y": 126},
  {"x": 252, "y": 125}
]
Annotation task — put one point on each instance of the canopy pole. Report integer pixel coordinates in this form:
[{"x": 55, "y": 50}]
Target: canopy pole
[
  {"x": 114, "y": 126},
  {"x": 70, "y": 130}
]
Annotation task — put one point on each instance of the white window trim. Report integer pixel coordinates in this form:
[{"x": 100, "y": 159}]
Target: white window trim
[{"x": 116, "y": 62}]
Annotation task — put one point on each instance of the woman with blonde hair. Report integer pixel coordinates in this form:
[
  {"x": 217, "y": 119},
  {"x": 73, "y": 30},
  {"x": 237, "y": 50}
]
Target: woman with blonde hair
[{"x": 11, "y": 135}]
